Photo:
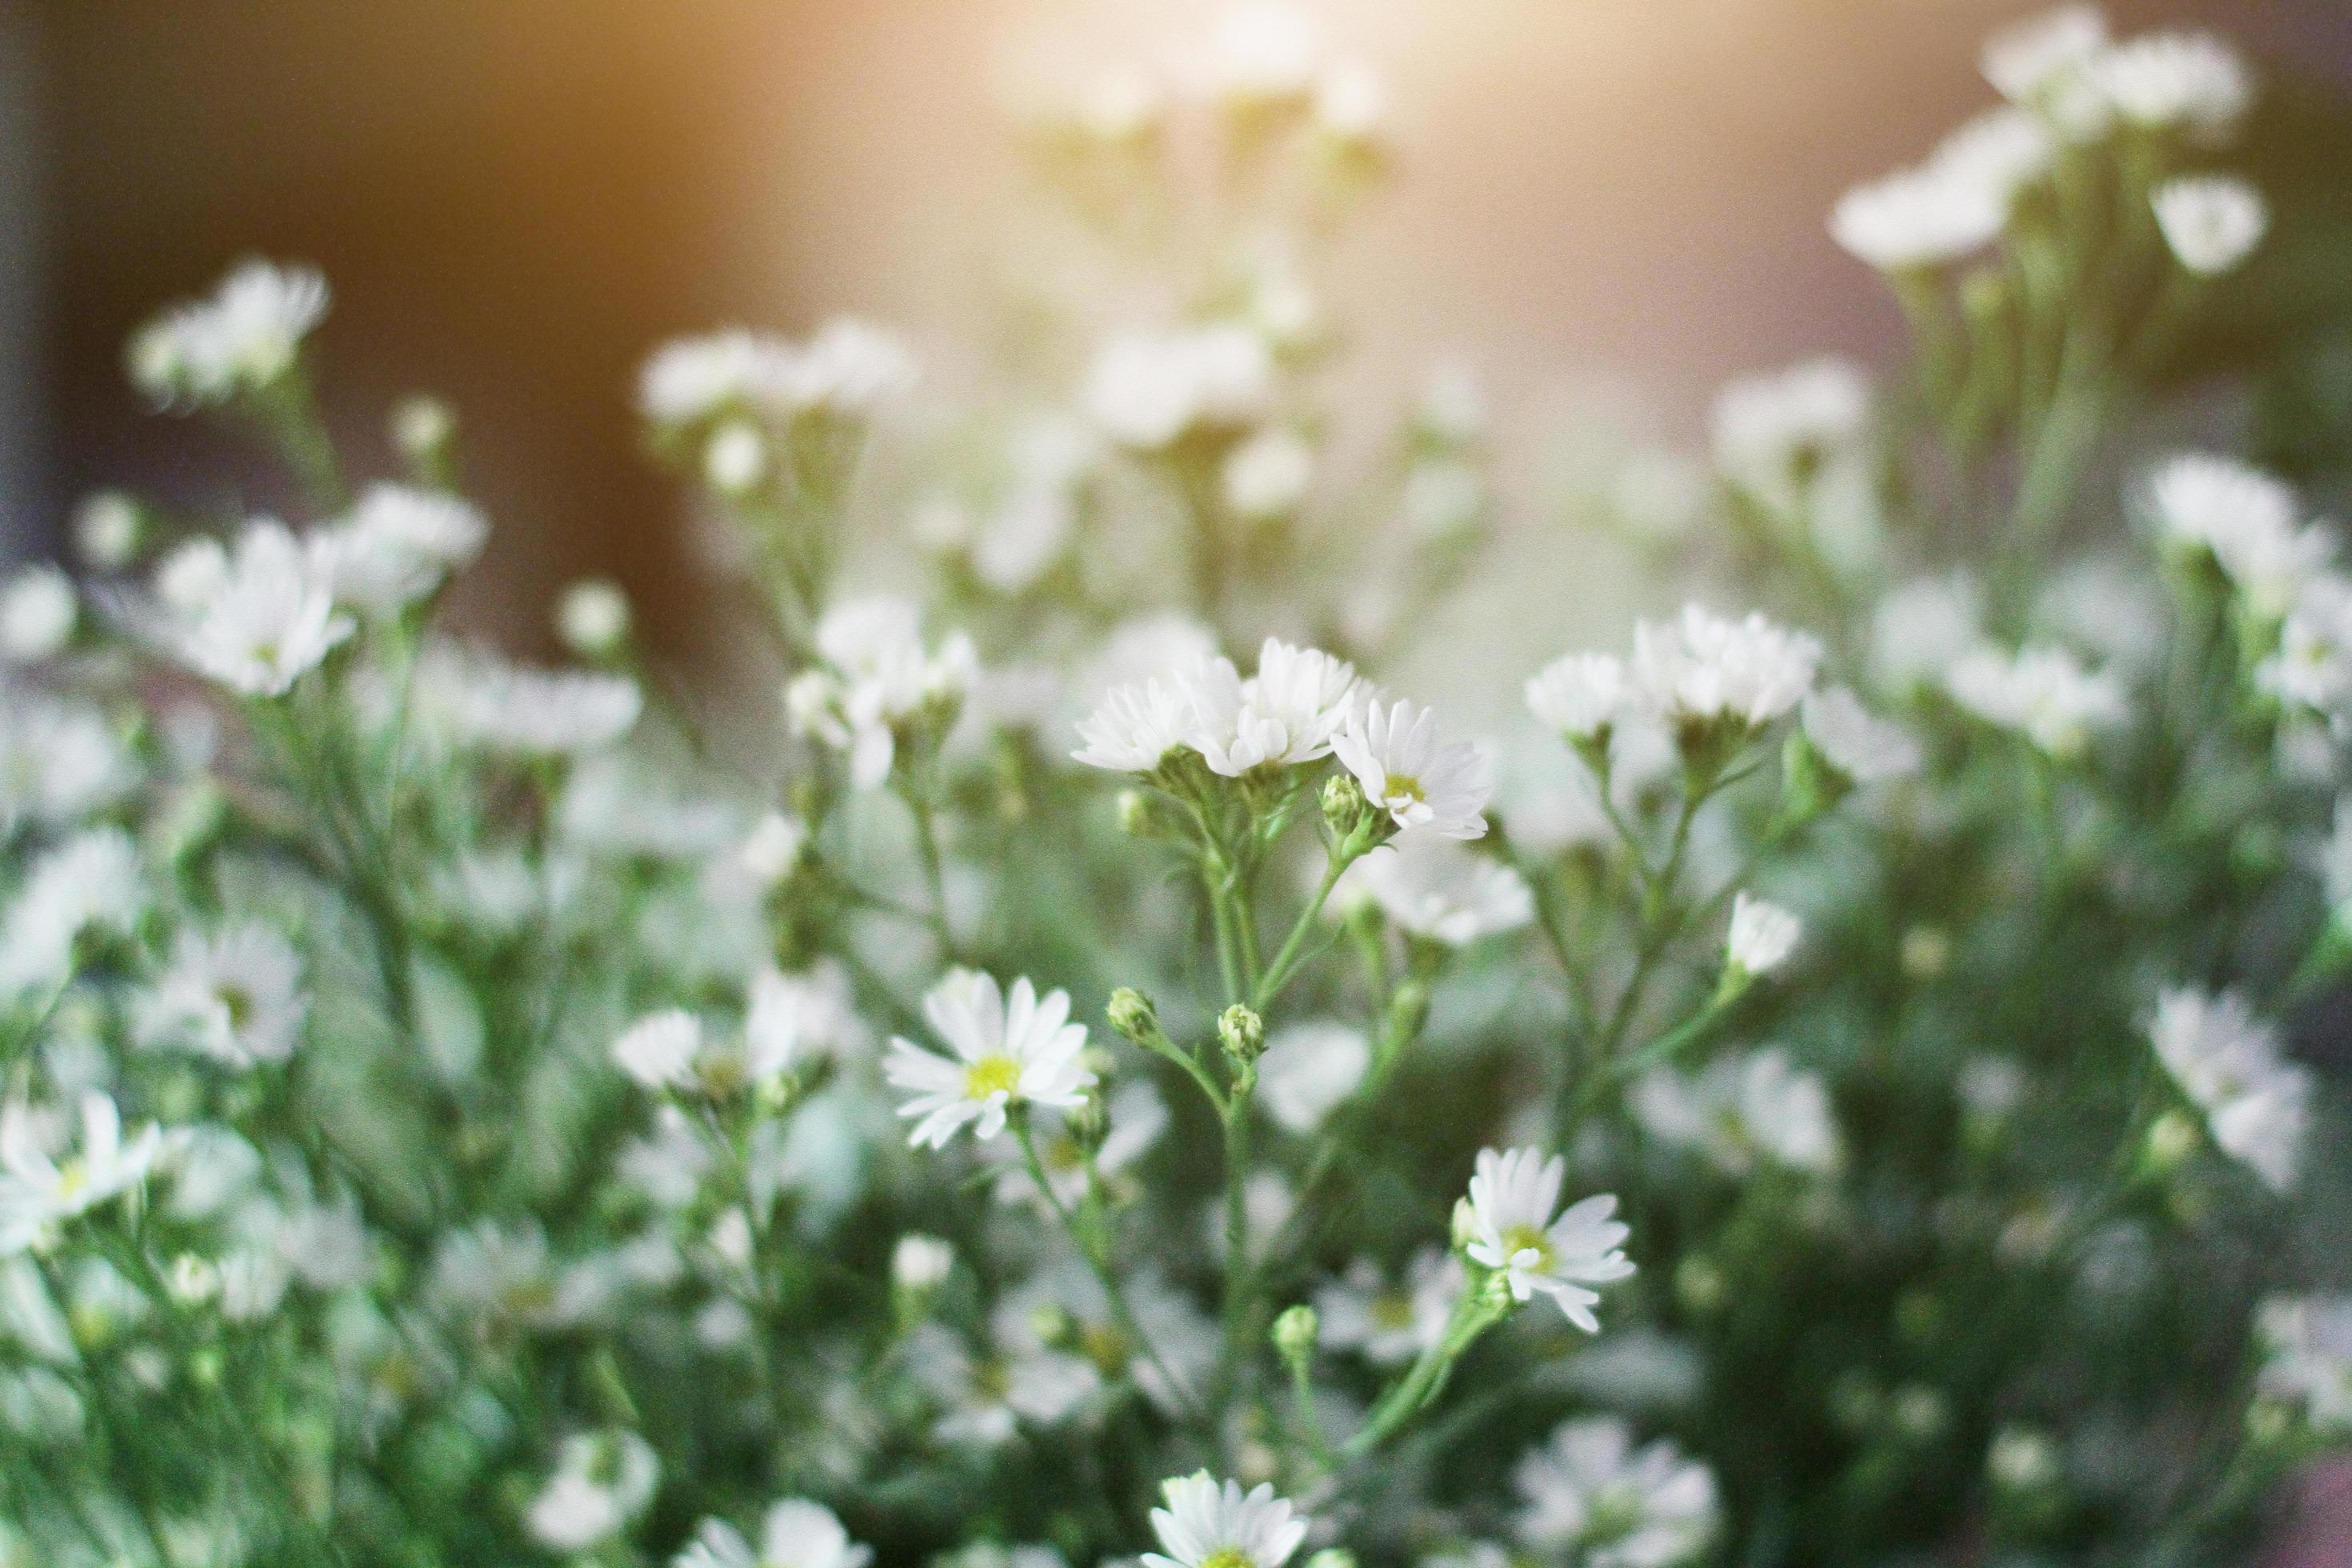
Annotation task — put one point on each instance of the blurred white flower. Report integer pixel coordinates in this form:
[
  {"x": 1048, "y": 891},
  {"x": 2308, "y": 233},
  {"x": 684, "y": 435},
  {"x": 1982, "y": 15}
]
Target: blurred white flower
[
  {"x": 920, "y": 1262},
  {"x": 773, "y": 849},
  {"x": 593, "y": 618},
  {"x": 1702, "y": 668},
  {"x": 2025, "y": 59},
  {"x": 1351, "y": 104},
  {"x": 2229, "y": 1062},
  {"x": 1147, "y": 389},
  {"x": 92, "y": 880},
  {"x": 1426, "y": 788},
  {"x": 1390, "y": 1322},
  {"x": 2312, "y": 668},
  {"x": 1775, "y": 433},
  {"x": 660, "y": 1051},
  {"x": 242, "y": 340},
  {"x": 1013, "y": 1379},
  {"x": 1135, "y": 728},
  {"x": 2248, "y": 520},
  {"x": 797, "y": 1014},
  {"x": 696, "y": 379},
  {"x": 2307, "y": 1345},
  {"x": 1863, "y": 747},
  {"x": 1020, "y": 1049},
  {"x": 1590, "y": 1494},
  {"x": 1517, "y": 1228},
  {"x": 396, "y": 546},
  {"x": 1740, "y": 1109},
  {"x": 1435, "y": 889},
  {"x": 1261, "y": 52},
  {"x": 848, "y": 370},
  {"x": 38, "y": 608},
  {"x": 794, "y": 1533},
  {"x": 545, "y": 713},
  {"x": 236, "y": 996},
  {"x": 59, "y": 761},
  {"x": 1582, "y": 695},
  {"x": 2042, "y": 693},
  {"x": 601, "y": 1482},
  {"x": 879, "y": 678},
  {"x": 2188, "y": 81},
  {"x": 1308, "y": 1069},
  {"x": 1999, "y": 153},
  {"x": 1208, "y": 1525},
  {"x": 1268, "y": 476},
  {"x": 41, "y": 1187},
  {"x": 1926, "y": 216},
  {"x": 2211, "y": 223},
  {"x": 106, "y": 531},
  {"x": 256, "y": 618},
  {"x": 1762, "y": 937}
]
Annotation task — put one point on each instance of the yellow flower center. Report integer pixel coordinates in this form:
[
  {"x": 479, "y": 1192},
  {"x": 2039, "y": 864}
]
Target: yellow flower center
[
  {"x": 1228, "y": 1557},
  {"x": 1403, "y": 786},
  {"x": 996, "y": 1074},
  {"x": 1390, "y": 1310},
  {"x": 73, "y": 1178},
  {"x": 1521, "y": 1238}
]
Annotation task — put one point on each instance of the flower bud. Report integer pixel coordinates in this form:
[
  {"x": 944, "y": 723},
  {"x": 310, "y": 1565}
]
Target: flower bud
[
  {"x": 107, "y": 530},
  {"x": 593, "y": 618},
  {"x": 1294, "y": 1334},
  {"x": 194, "y": 1279},
  {"x": 2172, "y": 1138},
  {"x": 1132, "y": 1013},
  {"x": 1089, "y": 1122},
  {"x": 1139, "y": 815},
  {"x": 1343, "y": 803},
  {"x": 735, "y": 458},
  {"x": 919, "y": 1263},
  {"x": 422, "y": 429},
  {"x": 1408, "y": 1009},
  {"x": 1464, "y": 1229},
  {"x": 1243, "y": 1034}
]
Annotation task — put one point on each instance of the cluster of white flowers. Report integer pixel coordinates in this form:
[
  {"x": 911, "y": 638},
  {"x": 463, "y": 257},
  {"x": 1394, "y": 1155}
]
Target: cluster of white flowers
[
  {"x": 1704, "y": 678},
  {"x": 2042, "y": 693},
  {"x": 1739, "y": 1110},
  {"x": 1590, "y": 1494},
  {"x": 1149, "y": 391},
  {"x": 877, "y": 681},
  {"x": 243, "y": 339},
  {"x": 2229, "y": 1062},
  {"x": 257, "y": 616},
  {"x": 848, "y": 369}
]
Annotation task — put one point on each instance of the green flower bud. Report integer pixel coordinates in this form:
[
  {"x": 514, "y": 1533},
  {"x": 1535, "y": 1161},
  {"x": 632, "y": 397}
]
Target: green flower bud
[
  {"x": 1294, "y": 1334},
  {"x": 1243, "y": 1034},
  {"x": 1132, "y": 1015},
  {"x": 2172, "y": 1138},
  {"x": 1343, "y": 803},
  {"x": 1139, "y": 817}
]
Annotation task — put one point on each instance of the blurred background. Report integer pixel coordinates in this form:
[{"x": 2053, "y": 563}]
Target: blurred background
[{"x": 515, "y": 199}]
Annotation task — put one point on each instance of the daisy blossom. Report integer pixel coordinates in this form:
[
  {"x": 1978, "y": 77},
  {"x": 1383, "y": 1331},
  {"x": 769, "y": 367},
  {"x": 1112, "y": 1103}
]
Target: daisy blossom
[
  {"x": 1515, "y": 1231},
  {"x": 1210, "y": 1525},
  {"x": 1015, "y": 1049},
  {"x": 1426, "y": 788}
]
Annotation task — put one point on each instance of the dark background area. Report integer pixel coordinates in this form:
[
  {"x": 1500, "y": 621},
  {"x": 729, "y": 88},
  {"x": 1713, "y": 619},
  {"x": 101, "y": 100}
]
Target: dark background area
[{"x": 516, "y": 198}]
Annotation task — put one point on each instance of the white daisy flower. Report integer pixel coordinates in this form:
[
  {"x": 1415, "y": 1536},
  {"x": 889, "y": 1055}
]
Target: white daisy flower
[
  {"x": 544, "y": 712},
  {"x": 2211, "y": 223},
  {"x": 1583, "y": 695},
  {"x": 988, "y": 1397},
  {"x": 1863, "y": 748},
  {"x": 2307, "y": 1345},
  {"x": 2247, "y": 520},
  {"x": 59, "y": 761},
  {"x": 1308, "y": 1069},
  {"x": 37, "y": 612},
  {"x": 236, "y": 996},
  {"x": 396, "y": 546},
  {"x": 2175, "y": 80},
  {"x": 696, "y": 379},
  {"x": 879, "y": 678},
  {"x": 795, "y": 1534},
  {"x": 1774, "y": 434},
  {"x": 242, "y": 340},
  {"x": 1426, "y": 788},
  {"x": 601, "y": 1482},
  {"x": 1590, "y": 1492},
  {"x": 1390, "y": 1322},
  {"x": 2042, "y": 693},
  {"x": 800, "y": 1014},
  {"x": 2023, "y": 61},
  {"x": 1762, "y": 938},
  {"x": 1135, "y": 728},
  {"x": 1514, "y": 1230},
  {"x": 660, "y": 1051},
  {"x": 1020, "y": 1049},
  {"x": 1268, "y": 476},
  {"x": 1291, "y": 712},
  {"x": 1146, "y": 391},
  {"x": 40, "y": 1188},
  {"x": 255, "y": 618},
  {"x": 92, "y": 880},
  {"x": 1208, "y": 1525},
  {"x": 1434, "y": 889},
  {"x": 2256, "y": 1101},
  {"x": 1922, "y": 217},
  {"x": 1741, "y": 1109},
  {"x": 1702, "y": 668}
]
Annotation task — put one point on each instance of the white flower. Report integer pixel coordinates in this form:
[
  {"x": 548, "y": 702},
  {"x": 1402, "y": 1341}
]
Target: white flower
[
  {"x": 1919, "y": 217},
  {"x": 92, "y": 880},
  {"x": 397, "y": 545},
  {"x": 2256, "y": 1102},
  {"x": 1864, "y": 748},
  {"x": 1145, "y": 391},
  {"x": 240, "y": 341},
  {"x": 1016, "y": 1050},
  {"x": 696, "y": 379},
  {"x": 2025, "y": 59},
  {"x": 38, "y": 611},
  {"x": 1774, "y": 433},
  {"x": 2042, "y": 693},
  {"x": 920, "y": 1262},
  {"x": 1513, "y": 1228},
  {"x": 1702, "y": 668},
  {"x": 879, "y": 678},
  {"x": 58, "y": 762},
  {"x": 1291, "y": 712},
  {"x": 1999, "y": 153},
  {"x": 545, "y": 713},
  {"x": 593, "y": 618},
  {"x": 39, "y": 1189},
  {"x": 2312, "y": 666},
  {"x": 2307, "y": 1343},
  {"x": 1206, "y": 1525},
  {"x": 2246, "y": 518},
  {"x": 1390, "y": 1323},
  {"x": 1762, "y": 936},
  {"x": 800, "y": 1014},
  {"x": 1135, "y": 728},
  {"x": 106, "y": 530},
  {"x": 2211, "y": 223},
  {"x": 1017, "y": 1378},
  {"x": 1589, "y": 1492},
  {"x": 1264, "y": 51},
  {"x": 1434, "y": 889},
  {"x": 1738, "y": 1109},
  {"x": 659, "y": 1051},
  {"x": 265, "y": 618},
  {"x": 848, "y": 370},
  {"x": 1268, "y": 476},
  {"x": 773, "y": 849},
  {"x": 601, "y": 1482},
  {"x": 1351, "y": 103},
  {"x": 236, "y": 996},
  {"x": 2184, "y": 81},
  {"x": 1920, "y": 629},
  {"x": 796, "y": 1533},
  {"x": 1583, "y": 695},
  {"x": 1308, "y": 1069},
  {"x": 1426, "y": 788}
]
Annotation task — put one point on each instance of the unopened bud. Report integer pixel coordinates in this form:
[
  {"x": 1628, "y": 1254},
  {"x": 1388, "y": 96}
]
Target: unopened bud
[
  {"x": 1088, "y": 1122},
  {"x": 593, "y": 618},
  {"x": 1132, "y": 1013},
  {"x": 1343, "y": 803},
  {"x": 735, "y": 459},
  {"x": 1295, "y": 1332},
  {"x": 1243, "y": 1034},
  {"x": 920, "y": 1263},
  {"x": 1137, "y": 816},
  {"x": 2172, "y": 1138},
  {"x": 1408, "y": 1009},
  {"x": 422, "y": 429},
  {"x": 194, "y": 1281}
]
